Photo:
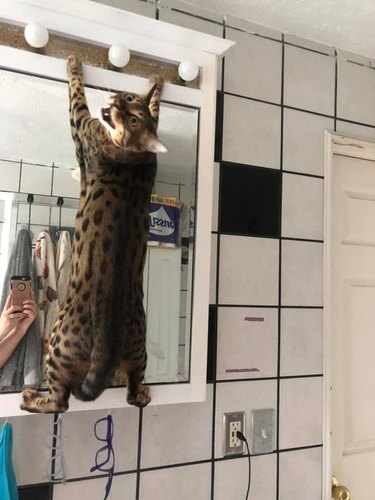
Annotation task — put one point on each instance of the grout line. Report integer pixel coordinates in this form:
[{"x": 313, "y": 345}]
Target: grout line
[
  {"x": 335, "y": 99},
  {"x": 265, "y": 37},
  {"x": 139, "y": 451},
  {"x": 280, "y": 275},
  {"x": 276, "y": 377},
  {"x": 315, "y": 51},
  {"x": 177, "y": 465},
  {"x": 300, "y": 448},
  {"x": 314, "y": 176},
  {"x": 202, "y": 18}
]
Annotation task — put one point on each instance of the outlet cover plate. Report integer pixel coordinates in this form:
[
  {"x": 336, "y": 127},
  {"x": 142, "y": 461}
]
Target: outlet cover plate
[
  {"x": 263, "y": 431},
  {"x": 237, "y": 417}
]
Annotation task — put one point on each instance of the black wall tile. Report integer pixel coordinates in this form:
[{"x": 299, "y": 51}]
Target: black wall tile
[
  {"x": 211, "y": 348},
  {"x": 219, "y": 126},
  {"x": 249, "y": 200},
  {"x": 35, "y": 492}
]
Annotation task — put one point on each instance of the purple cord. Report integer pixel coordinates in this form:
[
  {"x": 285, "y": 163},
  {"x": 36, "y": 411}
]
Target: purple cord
[{"x": 103, "y": 466}]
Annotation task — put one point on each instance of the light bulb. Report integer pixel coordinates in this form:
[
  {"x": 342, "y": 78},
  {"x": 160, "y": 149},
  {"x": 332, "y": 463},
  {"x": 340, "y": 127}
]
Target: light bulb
[
  {"x": 36, "y": 35},
  {"x": 188, "y": 71},
  {"x": 119, "y": 55}
]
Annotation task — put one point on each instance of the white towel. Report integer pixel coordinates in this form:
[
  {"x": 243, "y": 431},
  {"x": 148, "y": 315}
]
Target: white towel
[
  {"x": 62, "y": 261},
  {"x": 46, "y": 294}
]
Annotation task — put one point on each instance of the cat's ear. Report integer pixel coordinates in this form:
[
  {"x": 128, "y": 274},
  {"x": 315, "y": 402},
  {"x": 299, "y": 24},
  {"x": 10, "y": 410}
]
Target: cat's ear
[
  {"x": 151, "y": 143},
  {"x": 153, "y": 96}
]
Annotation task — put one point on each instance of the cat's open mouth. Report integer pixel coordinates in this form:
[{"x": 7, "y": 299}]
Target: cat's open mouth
[{"x": 106, "y": 116}]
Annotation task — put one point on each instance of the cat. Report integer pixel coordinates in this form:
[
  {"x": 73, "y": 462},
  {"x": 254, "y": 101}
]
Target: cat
[{"x": 101, "y": 327}]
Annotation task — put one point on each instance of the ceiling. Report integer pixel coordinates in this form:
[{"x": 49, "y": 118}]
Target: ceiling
[{"x": 345, "y": 24}]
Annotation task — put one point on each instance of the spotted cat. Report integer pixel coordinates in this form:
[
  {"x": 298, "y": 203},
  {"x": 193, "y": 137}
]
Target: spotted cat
[{"x": 101, "y": 326}]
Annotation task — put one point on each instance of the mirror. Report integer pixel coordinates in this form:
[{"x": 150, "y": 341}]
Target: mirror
[{"x": 38, "y": 193}]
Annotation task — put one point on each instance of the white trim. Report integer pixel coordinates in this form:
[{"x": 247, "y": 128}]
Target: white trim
[
  {"x": 347, "y": 145},
  {"x": 69, "y": 17},
  {"x": 50, "y": 67},
  {"x": 105, "y": 25}
]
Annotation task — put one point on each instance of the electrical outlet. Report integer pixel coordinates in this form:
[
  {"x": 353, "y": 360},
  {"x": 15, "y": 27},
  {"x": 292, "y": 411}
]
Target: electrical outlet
[
  {"x": 262, "y": 431},
  {"x": 233, "y": 422}
]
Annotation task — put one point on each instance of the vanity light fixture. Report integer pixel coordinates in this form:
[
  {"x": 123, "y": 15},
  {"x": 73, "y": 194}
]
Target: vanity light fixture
[
  {"x": 36, "y": 35},
  {"x": 188, "y": 71},
  {"x": 119, "y": 55}
]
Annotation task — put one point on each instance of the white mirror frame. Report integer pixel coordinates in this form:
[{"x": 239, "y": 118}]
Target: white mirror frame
[{"x": 89, "y": 21}]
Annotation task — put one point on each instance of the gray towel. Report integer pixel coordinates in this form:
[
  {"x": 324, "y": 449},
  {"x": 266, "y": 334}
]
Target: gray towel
[{"x": 24, "y": 366}]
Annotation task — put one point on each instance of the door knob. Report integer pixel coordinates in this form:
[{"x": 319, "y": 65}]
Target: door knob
[{"x": 339, "y": 492}]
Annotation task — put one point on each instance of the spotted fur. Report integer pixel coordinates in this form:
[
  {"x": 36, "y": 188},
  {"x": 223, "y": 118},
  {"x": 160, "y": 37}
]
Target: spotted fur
[{"x": 101, "y": 327}]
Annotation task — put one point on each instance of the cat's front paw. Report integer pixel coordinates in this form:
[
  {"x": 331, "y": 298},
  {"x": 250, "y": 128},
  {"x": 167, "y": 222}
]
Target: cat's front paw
[
  {"x": 159, "y": 80},
  {"x": 74, "y": 65}
]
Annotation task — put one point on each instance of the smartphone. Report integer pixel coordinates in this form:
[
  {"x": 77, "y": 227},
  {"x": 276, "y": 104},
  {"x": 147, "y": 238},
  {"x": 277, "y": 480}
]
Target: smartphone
[{"x": 20, "y": 290}]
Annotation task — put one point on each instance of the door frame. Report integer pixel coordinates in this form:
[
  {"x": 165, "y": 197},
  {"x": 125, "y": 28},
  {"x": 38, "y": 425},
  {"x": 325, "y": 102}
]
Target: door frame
[{"x": 351, "y": 146}]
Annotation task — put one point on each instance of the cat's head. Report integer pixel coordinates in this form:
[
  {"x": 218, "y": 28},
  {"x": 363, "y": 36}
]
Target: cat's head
[{"x": 131, "y": 120}]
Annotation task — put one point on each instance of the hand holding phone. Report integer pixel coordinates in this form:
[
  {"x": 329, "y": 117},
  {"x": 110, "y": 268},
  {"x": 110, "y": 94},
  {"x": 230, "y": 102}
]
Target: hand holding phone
[{"x": 20, "y": 290}]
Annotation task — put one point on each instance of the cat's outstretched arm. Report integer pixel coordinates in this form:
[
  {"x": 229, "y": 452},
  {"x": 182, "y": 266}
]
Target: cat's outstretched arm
[
  {"x": 153, "y": 97},
  {"x": 78, "y": 110}
]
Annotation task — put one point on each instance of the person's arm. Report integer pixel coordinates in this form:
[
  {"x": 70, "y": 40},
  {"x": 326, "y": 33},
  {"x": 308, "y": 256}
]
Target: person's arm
[{"x": 14, "y": 323}]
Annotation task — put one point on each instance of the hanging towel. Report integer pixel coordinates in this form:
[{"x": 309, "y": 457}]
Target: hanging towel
[
  {"x": 8, "y": 484},
  {"x": 23, "y": 367},
  {"x": 46, "y": 294},
  {"x": 63, "y": 257}
]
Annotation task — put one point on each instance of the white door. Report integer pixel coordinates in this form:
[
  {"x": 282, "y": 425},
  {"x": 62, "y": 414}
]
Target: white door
[{"x": 350, "y": 328}]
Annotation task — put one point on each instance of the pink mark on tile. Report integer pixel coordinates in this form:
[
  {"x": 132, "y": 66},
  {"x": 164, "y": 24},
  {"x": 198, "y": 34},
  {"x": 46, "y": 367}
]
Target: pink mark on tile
[
  {"x": 254, "y": 318},
  {"x": 241, "y": 370}
]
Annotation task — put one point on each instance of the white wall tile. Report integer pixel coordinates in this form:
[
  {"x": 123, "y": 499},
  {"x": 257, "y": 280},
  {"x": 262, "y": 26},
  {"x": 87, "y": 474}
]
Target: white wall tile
[
  {"x": 247, "y": 339},
  {"x": 32, "y": 437},
  {"x": 191, "y": 22},
  {"x": 64, "y": 184},
  {"x": 184, "y": 483},
  {"x": 196, "y": 24},
  {"x": 231, "y": 478},
  {"x": 144, "y": 8},
  {"x": 241, "y": 396},
  {"x": 258, "y": 61},
  {"x": 302, "y": 207},
  {"x": 251, "y": 132},
  {"x": 80, "y": 444},
  {"x": 9, "y": 175},
  {"x": 302, "y": 273},
  {"x": 359, "y": 131},
  {"x": 36, "y": 180},
  {"x": 213, "y": 269},
  {"x": 301, "y": 412},
  {"x": 301, "y": 474},
  {"x": 304, "y": 141},
  {"x": 164, "y": 189},
  {"x": 309, "y": 80},
  {"x": 123, "y": 486},
  {"x": 356, "y": 92},
  {"x": 39, "y": 214},
  {"x": 248, "y": 270},
  {"x": 68, "y": 216},
  {"x": 250, "y": 27},
  {"x": 169, "y": 432},
  {"x": 309, "y": 44},
  {"x": 301, "y": 342}
]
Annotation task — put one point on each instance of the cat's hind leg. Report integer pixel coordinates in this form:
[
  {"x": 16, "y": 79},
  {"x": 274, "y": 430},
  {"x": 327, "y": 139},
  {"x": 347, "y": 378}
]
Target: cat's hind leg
[
  {"x": 138, "y": 394},
  {"x": 34, "y": 402},
  {"x": 57, "y": 400}
]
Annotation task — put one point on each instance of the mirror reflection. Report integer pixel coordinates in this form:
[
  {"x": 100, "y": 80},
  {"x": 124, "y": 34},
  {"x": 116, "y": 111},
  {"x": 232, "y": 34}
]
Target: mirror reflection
[{"x": 38, "y": 203}]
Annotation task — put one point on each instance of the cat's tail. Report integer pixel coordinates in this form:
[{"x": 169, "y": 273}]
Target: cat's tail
[
  {"x": 97, "y": 379},
  {"x": 104, "y": 358}
]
